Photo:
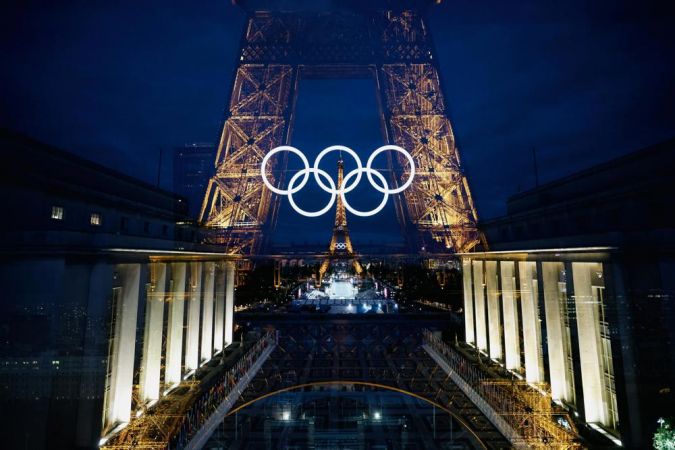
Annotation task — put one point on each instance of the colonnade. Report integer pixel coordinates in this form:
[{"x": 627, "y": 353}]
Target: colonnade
[
  {"x": 509, "y": 305},
  {"x": 191, "y": 304}
]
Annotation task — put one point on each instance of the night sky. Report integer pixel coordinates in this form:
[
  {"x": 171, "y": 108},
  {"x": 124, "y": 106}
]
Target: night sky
[{"x": 583, "y": 81}]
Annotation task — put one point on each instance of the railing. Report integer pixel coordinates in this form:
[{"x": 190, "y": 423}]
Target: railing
[
  {"x": 473, "y": 383},
  {"x": 207, "y": 404},
  {"x": 438, "y": 305},
  {"x": 521, "y": 411}
]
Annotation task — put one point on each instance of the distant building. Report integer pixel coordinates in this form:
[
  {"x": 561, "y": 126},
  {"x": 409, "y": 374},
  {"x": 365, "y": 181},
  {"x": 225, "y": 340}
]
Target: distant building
[
  {"x": 577, "y": 290},
  {"x": 193, "y": 166},
  {"x": 625, "y": 202},
  {"x": 57, "y": 198},
  {"x": 70, "y": 228}
]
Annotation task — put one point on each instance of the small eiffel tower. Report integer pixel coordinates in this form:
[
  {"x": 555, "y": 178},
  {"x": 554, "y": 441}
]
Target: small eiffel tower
[{"x": 340, "y": 245}]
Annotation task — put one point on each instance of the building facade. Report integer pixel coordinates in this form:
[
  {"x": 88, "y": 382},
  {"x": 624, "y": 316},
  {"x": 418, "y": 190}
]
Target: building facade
[
  {"x": 578, "y": 291},
  {"x": 108, "y": 299}
]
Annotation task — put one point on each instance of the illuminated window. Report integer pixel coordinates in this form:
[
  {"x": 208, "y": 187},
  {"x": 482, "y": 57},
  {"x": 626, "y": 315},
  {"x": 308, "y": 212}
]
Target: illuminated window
[
  {"x": 58, "y": 213},
  {"x": 96, "y": 219}
]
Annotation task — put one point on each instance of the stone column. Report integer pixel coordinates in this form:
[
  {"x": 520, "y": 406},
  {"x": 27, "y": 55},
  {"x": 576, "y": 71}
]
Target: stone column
[
  {"x": 174, "y": 331},
  {"x": 219, "y": 328},
  {"x": 590, "y": 345},
  {"x": 152, "y": 336},
  {"x": 468, "y": 302},
  {"x": 494, "y": 313},
  {"x": 229, "y": 303},
  {"x": 125, "y": 300},
  {"x": 479, "y": 296},
  {"x": 207, "y": 311},
  {"x": 559, "y": 356},
  {"x": 192, "y": 340},
  {"x": 511, "y": 337},
  {"x": 529, "y": 300}
]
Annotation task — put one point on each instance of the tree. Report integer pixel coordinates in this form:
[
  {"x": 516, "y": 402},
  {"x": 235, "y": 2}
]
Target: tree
[{"x": 664, "y": 438}]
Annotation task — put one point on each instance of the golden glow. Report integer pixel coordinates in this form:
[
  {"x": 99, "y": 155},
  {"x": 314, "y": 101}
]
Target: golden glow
[
  {"x": 341, "y": 230},
  {"x": 438, "y": 205}
]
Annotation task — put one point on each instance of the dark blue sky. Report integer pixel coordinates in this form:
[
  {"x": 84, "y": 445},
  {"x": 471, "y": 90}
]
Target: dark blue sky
[
  {"x": 583, "y": 81},
  {"x": 348, "y": 116}
]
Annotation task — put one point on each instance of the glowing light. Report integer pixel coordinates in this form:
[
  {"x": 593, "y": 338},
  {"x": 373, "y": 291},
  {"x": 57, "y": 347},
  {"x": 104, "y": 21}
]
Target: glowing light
[
  {"x": 115, "y": 430},
  {"x": 359, "y": 166},
  {"x": 267, "y": 157},
  {"x": 332, "y": 188},
  {"x": 406, "y": 154},
  {"x": 606, "y": 434},
  {"x": 298, "y": 209},
  {"x": 382, "y": 204},
  {"x": 377, "y": 415}
]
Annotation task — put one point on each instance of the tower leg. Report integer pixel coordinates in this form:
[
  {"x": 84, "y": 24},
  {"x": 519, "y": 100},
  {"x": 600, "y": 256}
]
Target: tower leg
[{"x": 258, "y": 122}]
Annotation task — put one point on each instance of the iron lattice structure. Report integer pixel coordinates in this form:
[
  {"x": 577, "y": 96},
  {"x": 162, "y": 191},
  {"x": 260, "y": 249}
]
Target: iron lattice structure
[
  {"x": 389, "y": 42},
  {"x": 388, "y": 353},
  {"x": 526, "y": 407}
]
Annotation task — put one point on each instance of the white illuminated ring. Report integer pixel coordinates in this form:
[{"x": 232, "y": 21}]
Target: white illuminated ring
[
  {"x": 368, "y": 170},
  {"x": 400, "y": 150},
  {"x": 343, "y": 188},
  {"x": 306, "y": 172},
  {"x": 346, "y": 150},
  {"x": 267, "y": 157}
]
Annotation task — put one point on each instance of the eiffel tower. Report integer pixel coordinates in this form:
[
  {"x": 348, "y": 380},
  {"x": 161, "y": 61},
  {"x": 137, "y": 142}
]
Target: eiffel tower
[
  {"x": 340, "y": 245},
  {"x": 388, "y": 41}
]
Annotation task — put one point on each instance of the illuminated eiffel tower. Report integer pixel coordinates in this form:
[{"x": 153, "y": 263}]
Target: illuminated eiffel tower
[
  {"x": 387, "y": 41},
  {"x": 340, "y": 245}
]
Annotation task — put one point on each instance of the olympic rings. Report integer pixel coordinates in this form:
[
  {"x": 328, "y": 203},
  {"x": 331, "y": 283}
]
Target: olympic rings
[
  {"x": 267, "y": 157},
  {"x": 412, "y": 169},
  {"x": 317, "y": 172},
  {"x": 344, "y": 188},
  {"x": 368, "y": 170},
  {"x": 332, "y": 149}
]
